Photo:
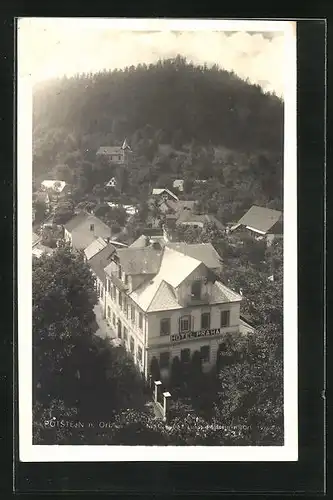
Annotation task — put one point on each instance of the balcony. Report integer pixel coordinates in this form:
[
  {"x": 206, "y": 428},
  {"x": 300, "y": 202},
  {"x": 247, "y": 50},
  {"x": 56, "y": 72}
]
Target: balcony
[{"x": 192, "y": 300}]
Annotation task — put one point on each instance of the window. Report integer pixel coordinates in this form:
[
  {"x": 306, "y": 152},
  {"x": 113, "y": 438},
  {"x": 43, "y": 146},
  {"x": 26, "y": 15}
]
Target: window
[
  {"x": 196, "y": 289},
  {"x": 185, "y": 324},
  {"x": 225, "y": 318},
  {"x": 205, "y": 320},
  {"x": 114, "y": 293},
  {"x": 109, "y": 312},
  {"x": 204, "y": 352},
  {"x": 140, "y": 354},
  {"x": 114, "y": 319},
  {"x": 164, "y": 359},
  {"x": 120, "y": 299},
  {"x": 140, "y": 320},
  {"x": 132, "y": 345},
  {"x": 185, "y": 355},
  {"x": 92, "y": 227},
  {"x": 133, "y": 314},
  {"x": 126, "y": 279},
  {"x": 165, "y": 326},
  {"x": 119, "y": 271},
  {"x": 125, "y": 333}
]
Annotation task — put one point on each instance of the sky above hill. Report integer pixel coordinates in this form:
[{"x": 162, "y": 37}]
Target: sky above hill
[{"x": 50, "y": 47}]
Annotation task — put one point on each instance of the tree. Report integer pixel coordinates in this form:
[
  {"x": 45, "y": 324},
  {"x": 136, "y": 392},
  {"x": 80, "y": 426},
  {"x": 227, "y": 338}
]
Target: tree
[
  {"x": 62, "y": 313},
  {"x": 251, "y": 390},
  {"x": 63, "y": 212},
  {"x": 176, "y": 378},
  {"x": 155, "y": 369},
  {"x": 40, "y": 210},
  {"x": 63, "y": 173}
]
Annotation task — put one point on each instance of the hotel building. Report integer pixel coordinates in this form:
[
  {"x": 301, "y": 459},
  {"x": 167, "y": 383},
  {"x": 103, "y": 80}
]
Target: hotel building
[{"x": 166, "y": 300}]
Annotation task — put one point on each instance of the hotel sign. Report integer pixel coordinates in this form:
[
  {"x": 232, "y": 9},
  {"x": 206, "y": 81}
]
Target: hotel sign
[{"x": 195, "y": 335}]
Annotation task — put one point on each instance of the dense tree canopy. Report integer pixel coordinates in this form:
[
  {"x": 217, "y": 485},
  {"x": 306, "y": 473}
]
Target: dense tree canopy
[
  {"x": 178, "y": 100},
  {"x": 77, "y": 376},
  {"x": 182, "y": 121}
]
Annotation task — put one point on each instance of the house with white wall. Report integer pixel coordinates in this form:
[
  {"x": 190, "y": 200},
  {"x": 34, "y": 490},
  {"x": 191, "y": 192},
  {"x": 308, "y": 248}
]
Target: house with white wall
[
  {"x": 83, "y": 229},
  {"x": 167, "y": 301},
  {"x": 262, "y": 223},
  {"x": 118, "y": 155}
]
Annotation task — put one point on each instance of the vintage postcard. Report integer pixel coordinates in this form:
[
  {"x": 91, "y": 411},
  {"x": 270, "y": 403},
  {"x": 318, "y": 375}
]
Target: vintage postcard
[{"x": 157, "y": 240}]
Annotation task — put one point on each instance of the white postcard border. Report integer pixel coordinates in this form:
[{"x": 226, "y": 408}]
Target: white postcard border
[{"x": 58, "y": 453}]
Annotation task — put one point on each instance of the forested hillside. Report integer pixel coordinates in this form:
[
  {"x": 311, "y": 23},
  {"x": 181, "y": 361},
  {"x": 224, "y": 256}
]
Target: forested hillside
[{"x": 217, "y": 125}]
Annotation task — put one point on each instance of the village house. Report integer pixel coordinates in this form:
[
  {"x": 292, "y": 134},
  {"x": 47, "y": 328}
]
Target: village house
[
  {"x": 119, "y": 155},
  {"x": 167, "y": 300},
  {"x": 262, "y": 223},
  {"x": 112, "y": 182},
  {"x": 199, "y": 220},
  {"x": 129, "y": 209},
  {"x": 164, "y": 194},
  {"x": 83, "y": 229},
  {"x": 55, "y": 189},
  {"x": 94, "y": 247}
]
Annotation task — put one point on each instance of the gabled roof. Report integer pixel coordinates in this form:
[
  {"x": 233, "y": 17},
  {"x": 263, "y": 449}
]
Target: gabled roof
[
  {"x": 204, "y": 252},
  {"x": 109, "y": 150},
  {"x": 140, "y": 242},
  {"x": 101, "y": 260},
  {"x": 81, "y": 217},
  {"x": 158, "y": 293},
  {"x": 221, "y": 293},
  {"x": 81, "y": 235},
  {"x": 57, "y": 186},
  {"x": 164, "y": 299},
  {"x": 76, "y": 221},
  {"x": 158, "y": 191},
  {"x": 95, "y": 247},
  {"x": 126, "y": 145},
  {"x": 259, "y": 219},
  {"x": 171, "y": 261},
  {"x": 112, "y": 182},
  {"x": 140, "y": 260}
]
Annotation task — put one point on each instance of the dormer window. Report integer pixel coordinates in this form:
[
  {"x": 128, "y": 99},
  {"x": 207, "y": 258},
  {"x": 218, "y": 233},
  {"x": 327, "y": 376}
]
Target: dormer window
[
  {"x": 196, "y": 290},
  {"x": 92, "y": 227}
]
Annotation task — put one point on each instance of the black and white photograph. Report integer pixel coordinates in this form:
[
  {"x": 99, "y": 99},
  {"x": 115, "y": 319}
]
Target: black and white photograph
[{"x": 157, "y": 183}]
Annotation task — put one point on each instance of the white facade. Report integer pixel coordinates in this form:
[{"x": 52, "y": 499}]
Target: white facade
[{"x": 159, "y": 316}]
